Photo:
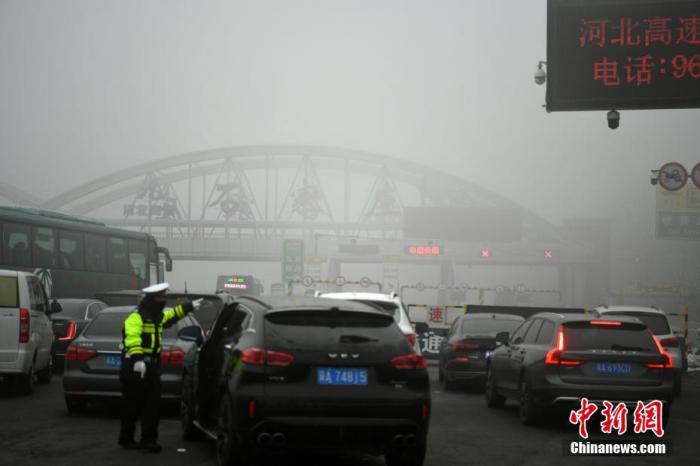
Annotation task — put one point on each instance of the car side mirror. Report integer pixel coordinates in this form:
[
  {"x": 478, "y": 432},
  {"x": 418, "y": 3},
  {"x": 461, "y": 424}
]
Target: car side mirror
[
  {"x": 502, "y": 338},
  {"x": 55, "y": 307},
  {"x": 421, "y": 327},
  {"x": 192, "y": 333}
]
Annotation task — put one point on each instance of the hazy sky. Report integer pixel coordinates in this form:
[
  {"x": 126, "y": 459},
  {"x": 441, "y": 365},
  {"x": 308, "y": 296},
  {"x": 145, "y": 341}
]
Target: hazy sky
[{"x": 101, "y": 86}]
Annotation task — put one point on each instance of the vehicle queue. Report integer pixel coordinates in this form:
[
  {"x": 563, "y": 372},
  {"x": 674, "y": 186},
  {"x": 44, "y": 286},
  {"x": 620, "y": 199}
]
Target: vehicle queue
[{"x": 342, "y": 370}]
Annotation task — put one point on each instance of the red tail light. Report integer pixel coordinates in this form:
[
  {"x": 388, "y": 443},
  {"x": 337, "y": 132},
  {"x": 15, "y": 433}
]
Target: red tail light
[
  {"x": 425, "y": 412},
  {"x": 668, "y": 362},
  {"x": 670, "y": 342},
  {"x": 554, "y": 354},
  {"x": 409, "y": 361},
  {"x": 23, "y": 325},
  {"x": 261, "y": 357},
  {"x": 72, "y": 328},
  {"x": 172, "y": 357},
  {"x": 251, "y": 408},
  {"x": 462, "y": 346},
  {"x": 613, "y": 323},
  {"x": 77, "y": 353},
  {"x": 411, "y": 337}
]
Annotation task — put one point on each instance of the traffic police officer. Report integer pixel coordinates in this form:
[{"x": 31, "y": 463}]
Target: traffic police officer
[{"x": 140, "y": 372}]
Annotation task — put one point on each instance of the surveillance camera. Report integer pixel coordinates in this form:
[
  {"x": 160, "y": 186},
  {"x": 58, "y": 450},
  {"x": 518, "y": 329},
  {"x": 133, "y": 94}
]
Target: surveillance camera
[
  {"x": 654, "y": 181},
  {"x": 613, "y": 119},
  {"x": 540, "y": 76}
]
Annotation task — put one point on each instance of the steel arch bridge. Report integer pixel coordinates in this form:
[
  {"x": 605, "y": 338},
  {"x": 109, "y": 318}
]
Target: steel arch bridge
[{"x": 278, "y": 191}]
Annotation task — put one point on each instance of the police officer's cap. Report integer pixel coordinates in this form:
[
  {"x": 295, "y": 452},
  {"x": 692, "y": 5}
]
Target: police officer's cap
[{"x": 156, "y": 289}]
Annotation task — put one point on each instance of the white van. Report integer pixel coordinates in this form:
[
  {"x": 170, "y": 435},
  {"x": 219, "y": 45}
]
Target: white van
[{"x": 26, "y": 335}]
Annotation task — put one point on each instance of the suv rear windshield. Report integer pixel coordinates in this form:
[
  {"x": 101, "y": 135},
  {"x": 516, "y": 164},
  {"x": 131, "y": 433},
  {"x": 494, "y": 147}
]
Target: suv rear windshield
[
  {"x": 75, "y": 310},
  {"x": 656, "y": 322},
  {"x": 386, "y": 306},
  {"x": 8, "y": 292},
  {"x": 328, "y": 318},
  {"x": 109, "y": 325},
  {"x": 582, "y": 336},
  {"x": 488, "y": 327}
]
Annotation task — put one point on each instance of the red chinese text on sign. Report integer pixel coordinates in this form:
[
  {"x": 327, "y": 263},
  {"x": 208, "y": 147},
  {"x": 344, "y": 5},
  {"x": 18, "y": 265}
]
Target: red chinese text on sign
[
  {"x": 614, "y": 418},
  {"x": 639, "y": 70},
  {"x": 582, "y": 416},
  {"x": 435, "y": 314},
  {"x": 593, "y": 32},
  {"x": 607, "y": 71},
  {"x": 689, "y": 32},
  {"x": 648, "y": 417}
]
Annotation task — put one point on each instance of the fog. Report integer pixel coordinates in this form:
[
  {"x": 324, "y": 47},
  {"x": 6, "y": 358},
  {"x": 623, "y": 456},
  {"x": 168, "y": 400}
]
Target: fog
[{"x": 88, "y": 88}]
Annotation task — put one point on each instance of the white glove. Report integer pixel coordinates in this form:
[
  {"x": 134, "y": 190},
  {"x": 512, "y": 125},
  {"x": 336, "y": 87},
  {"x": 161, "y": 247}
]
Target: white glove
[
  {"x": 196, "y": 303},
  {"x": 140, "y": 367}
]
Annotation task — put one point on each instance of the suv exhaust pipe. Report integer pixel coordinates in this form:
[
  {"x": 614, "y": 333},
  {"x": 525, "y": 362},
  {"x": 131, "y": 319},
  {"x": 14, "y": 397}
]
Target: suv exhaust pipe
[
  {"x": 410, "y": 440},
  {"x": 397, "y": 441},
  {"x": 279, "y": 439},
  {"x": 264, "y": 438}
]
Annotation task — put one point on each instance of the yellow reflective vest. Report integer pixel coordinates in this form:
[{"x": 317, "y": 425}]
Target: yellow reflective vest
[{"x": 142, "y": 336}]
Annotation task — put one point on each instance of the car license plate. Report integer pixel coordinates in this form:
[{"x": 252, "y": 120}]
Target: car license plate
[
  {"x": 113, "y": 360},
  {"x": 614, "y": 368},
  {"x": 341, "y": 376}
]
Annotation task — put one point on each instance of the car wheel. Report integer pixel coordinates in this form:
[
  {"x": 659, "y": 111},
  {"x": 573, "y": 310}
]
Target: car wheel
[
  {"x": 189, "y": 430},
  {"x": 493, "y": 398},
  {"x": 44, "y": 376},
  {"x": 74, "y": 404},
  {"x": 529, "y": 411},
  {"x": 24, "y": 383},
  {"x": 677, "y": 383},
  {"x": 407, "y": 456},
  {"x": 229, "y": 449}
]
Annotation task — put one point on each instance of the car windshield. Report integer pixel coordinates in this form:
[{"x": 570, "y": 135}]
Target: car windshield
[
  {"x": 656, "y": 322},
  {"x": 386, "y": 306},
  {"x": 73, "y": 309},
  {"x": 487, "y": 327},
  {"x": 582, "y": 336},
  {"x": 109, "y": 325}
]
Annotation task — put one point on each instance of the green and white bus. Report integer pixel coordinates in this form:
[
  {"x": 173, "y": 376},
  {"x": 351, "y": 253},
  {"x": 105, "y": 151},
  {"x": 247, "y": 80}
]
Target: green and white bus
[{"x": 77, "y": 257}]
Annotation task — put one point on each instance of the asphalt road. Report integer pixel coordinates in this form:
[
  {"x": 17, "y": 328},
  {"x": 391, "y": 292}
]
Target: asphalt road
[{"x": 37, "y": 430}]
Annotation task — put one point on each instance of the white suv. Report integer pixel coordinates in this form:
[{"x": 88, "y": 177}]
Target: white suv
[
  {"x": 26, "y": 335},
  {"x": 388, "y": 302},
  {"x": 658, "y": 323}
]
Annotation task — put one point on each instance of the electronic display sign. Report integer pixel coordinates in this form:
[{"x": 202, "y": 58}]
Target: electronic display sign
[{"x": 623, "y": 54}]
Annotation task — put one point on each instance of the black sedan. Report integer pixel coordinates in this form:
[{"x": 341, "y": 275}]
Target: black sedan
[
  {"x": 93, "y": 360},
  {"x": 280, "y": 373},
  {"x": 556, "y": 360},
  {"x": 68, "y": 324},
  {"x": 468, "y": 345}
]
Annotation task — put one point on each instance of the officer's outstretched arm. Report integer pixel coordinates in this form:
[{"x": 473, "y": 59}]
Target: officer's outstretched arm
[{"x": 176, "y": 313}]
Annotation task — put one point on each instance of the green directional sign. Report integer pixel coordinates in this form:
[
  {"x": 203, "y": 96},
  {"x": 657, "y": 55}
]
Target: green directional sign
[
  {"x": 678, "y": 213},
  {"x": 292, "y": 260},
  {"x": 675, "y": 225}
]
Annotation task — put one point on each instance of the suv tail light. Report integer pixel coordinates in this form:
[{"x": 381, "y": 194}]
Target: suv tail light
[
  {"x": 72, "y": 327},
  {"x": 409, "y": 361},
  {"x": 411, "y": 337},
  {"x": 554, "y": 355},
  {"x": 261, "y": 357},
  {"x": 462, "y": 346},
  {"x": 77, "y": 353},
  {"x": 172, "y": 357},
  {"x": 612, "y": 323},
  {"x": 668, "y": 362},
  {"x": 23, "y": 325},
  {"x": 670, "y": 342}
]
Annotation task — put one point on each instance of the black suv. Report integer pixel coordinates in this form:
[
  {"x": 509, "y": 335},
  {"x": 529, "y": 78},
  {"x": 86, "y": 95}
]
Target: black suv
[
  {"x": 557, "y": 359},
  {"x": 285, "y": 372}
]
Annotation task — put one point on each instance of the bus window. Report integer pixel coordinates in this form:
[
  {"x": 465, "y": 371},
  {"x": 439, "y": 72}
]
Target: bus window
[
  {"x": 15, "y": 244},
  {"x": 71, "y": 254},
  {"x": 116, "y": 253},
  {"x": 44, "y": 247},
  {"x": 95, "y": 253},
  {"x": 137, "y": 258}
]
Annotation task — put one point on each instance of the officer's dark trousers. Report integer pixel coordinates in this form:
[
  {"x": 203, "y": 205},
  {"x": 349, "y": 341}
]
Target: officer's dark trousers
[{"x": 140, "y": 398}]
